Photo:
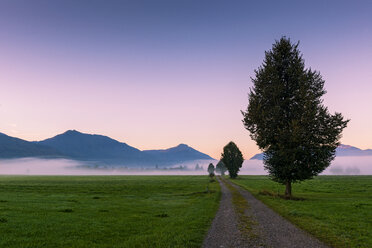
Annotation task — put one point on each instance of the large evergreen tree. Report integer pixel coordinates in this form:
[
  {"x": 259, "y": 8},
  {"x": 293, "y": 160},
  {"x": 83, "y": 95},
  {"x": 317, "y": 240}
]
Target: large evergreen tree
[
  {"x": 287, "y": 119},
  {"x": 232, "y": 158}
]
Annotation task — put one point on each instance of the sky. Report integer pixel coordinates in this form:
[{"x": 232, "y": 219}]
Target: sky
[{"x": 154, "y": 74}]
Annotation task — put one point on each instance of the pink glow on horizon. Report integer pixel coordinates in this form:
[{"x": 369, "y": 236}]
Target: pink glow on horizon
[{"x": 179, "y": 83}]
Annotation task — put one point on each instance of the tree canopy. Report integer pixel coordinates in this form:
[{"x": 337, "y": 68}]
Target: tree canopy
[
  {"x": 211, "y": 170},
  {"x": 287, "y": 119},
  {"x": 221, "y": 168},
  {"x": 232, "y": 158}
]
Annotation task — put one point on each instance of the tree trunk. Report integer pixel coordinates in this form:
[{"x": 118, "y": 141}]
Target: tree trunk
[{"x": 288, "y": 189}]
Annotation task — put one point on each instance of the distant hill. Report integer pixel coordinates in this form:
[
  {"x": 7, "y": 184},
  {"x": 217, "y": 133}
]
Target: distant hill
[
  {"x": 341, "y": 151},
  {"x": 92, "y": 147},
  {"x": 180, "y": 153},
  {"x": 258, "y": 156},
  {"x": 346, "y": 150},
  {"x": 11, "y": 147}
]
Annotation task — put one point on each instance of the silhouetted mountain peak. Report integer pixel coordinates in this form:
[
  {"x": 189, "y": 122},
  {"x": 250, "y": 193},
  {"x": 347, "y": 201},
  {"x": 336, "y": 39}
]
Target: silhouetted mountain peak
[
  {"x": 180, "y": 147},
  {"x": 86, "y": 146},
  {"x": 73, "y": 135},
  {"x": 179, "y": 153},
  {"x": 72, "y": 132}
]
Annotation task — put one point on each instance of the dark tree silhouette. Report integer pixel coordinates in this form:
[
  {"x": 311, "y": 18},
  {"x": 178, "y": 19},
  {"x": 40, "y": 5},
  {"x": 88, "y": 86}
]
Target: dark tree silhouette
[
  {"x": 232, "y": 158},
  {"x": 221, "y": 168},
  {"x": 211, "y": 170},
  {"x": 287, "y": 119}
]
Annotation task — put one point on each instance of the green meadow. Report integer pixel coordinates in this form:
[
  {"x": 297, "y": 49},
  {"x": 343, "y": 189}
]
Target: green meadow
[
  {"x": 106, "y": 211},
  {"x": 169, "y": 211},
  {"x": 335, "y": 209}
]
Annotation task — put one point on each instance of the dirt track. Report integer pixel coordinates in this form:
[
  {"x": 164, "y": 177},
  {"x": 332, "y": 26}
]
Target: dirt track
[{"x": 267, "y": 228}]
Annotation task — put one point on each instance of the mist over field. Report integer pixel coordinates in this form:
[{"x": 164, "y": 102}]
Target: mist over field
[
  {"x": 340, "y": 166},
  {"x": 35, "y": 166}
]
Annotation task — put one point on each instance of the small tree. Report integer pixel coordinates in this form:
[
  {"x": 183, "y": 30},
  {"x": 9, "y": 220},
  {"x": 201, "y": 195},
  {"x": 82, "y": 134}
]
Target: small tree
[
  {"x": 232, "y": 158},
  {"x": 221, "y": 168},
  {"x": 211, "y": 170},
  {"x": 197, "y": 167},
  {"x": 287, "y": 119}
]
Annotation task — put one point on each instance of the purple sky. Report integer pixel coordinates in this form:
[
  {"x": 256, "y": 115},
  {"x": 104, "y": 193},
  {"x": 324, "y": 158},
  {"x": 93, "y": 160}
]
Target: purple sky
[{"x": 155, "y": 74}]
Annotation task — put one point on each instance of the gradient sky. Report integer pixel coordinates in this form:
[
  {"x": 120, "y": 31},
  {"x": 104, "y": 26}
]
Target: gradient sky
[{"x": 155, "y": 74}]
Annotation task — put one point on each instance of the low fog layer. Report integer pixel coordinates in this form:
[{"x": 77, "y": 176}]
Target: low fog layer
[
  {"x": 32, "y": 166},
  {"x": 340, "y": 166}
]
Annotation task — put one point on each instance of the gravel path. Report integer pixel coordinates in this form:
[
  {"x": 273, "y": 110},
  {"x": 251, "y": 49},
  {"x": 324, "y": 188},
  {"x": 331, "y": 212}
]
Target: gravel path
[
  {"x": 269, "y": 229},
  {"x": 224, "y": 231}
]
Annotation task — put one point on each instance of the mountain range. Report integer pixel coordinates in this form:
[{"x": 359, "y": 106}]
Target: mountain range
[
  {"x": 341, "y": 151},
  {"x": 92, "y": 147}
]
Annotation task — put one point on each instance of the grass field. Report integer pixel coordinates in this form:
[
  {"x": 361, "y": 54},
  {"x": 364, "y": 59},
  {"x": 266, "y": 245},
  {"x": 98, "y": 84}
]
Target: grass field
[
  {"x": 336, "y": 209},
  {"x": 106, "y": 211}
]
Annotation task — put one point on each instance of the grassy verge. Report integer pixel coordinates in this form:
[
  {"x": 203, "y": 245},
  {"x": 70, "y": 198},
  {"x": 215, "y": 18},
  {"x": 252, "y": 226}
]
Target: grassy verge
[
  {"x": 336, "y": 209},
  {"x": 106, "y": 211}
]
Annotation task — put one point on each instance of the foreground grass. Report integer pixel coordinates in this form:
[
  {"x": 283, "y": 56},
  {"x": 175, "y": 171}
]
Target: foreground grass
[
  {"x": 336, "y": 209},
  {"x": 106, "y": 211}
]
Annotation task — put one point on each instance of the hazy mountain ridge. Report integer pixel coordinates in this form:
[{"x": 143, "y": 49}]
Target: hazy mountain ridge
[
  {"x": 93, "y": 147},
  {"x": 11, "y": 147},
  {"x": 80, "y": 145},
  {"x": 341, "y": 151},
  {"x": 181, "y": 152},
  {"x": 346, "y": 150}
]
